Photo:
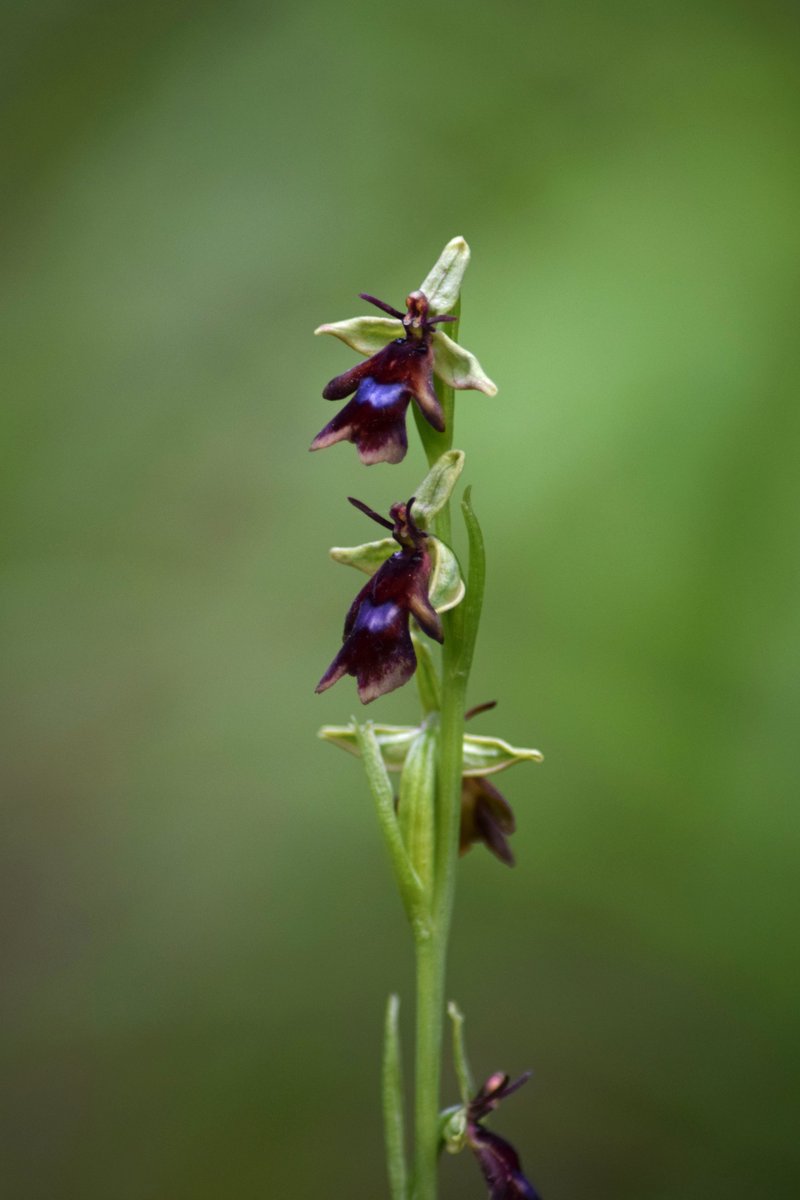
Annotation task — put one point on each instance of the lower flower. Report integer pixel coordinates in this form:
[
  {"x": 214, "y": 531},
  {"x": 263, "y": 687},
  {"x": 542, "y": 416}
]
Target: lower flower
[{"x": 497, "y": 1158}]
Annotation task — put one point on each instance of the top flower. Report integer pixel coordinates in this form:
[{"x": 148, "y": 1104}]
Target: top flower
[{"x": 401, "y": 368}]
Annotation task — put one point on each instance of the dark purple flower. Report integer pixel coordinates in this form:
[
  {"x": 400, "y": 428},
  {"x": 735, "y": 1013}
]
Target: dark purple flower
[
  {"x": 377, "y": 647},
  {"x": 498, "y": 1160},
  {"x": 486, "y": 816},
  {"x": 375, "y": 419}
]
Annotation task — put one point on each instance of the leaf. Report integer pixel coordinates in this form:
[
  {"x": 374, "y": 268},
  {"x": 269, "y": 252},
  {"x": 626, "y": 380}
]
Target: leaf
[
  {"x": 458, "y": 367},
  {"x": 392, "y": 1094}
]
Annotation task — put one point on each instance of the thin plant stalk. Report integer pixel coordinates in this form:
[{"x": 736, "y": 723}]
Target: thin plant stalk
[{"x": 431, "y": 947}]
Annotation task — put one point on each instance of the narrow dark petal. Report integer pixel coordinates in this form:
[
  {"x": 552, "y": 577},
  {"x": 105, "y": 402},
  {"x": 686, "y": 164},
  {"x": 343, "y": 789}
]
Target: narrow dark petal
[
  {"x": 370, "y": 512},
  {"x": 493, "y": 837},
  {"x": 419, "y": 603},
  {"x": 479, "y": 708},
  {"x": 425, "y": 395},
  {"x": 335, "y": 671},
  {"x": 381, "y": 304},
  {"x": 499, "y": 1162},
  {"x": 426, "y": 616},
  {"x": 496, "y": 1088}
]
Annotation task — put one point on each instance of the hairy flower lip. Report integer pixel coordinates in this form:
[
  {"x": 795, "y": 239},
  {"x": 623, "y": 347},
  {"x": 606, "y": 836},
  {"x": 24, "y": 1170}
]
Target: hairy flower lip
[{"x": 377, "y": 647}]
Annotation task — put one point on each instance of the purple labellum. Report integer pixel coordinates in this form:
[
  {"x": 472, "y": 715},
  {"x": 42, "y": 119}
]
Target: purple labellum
[
  {"x": 384, "y": 385},
  {"x": 497, "y": 1158},
  {"x": 377, "y": 647}
]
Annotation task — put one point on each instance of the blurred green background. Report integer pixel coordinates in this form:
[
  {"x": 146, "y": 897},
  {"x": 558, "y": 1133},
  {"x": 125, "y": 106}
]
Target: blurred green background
[{"x": 200, "y": 929}]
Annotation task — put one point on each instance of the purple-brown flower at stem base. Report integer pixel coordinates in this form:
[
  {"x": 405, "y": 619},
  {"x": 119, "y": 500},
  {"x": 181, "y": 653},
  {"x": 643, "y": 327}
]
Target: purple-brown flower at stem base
[
  {"x": 384, "y": 385},
  {"x": 497, "y": 1158},
  {"x": 377, "y": 647}
]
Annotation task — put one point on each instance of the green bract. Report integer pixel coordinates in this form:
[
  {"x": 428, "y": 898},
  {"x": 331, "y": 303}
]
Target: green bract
[
  {"x": 394, "y": 741},
  {"x": 414, "y": 809},
  {"x": 482, "y": 755}
]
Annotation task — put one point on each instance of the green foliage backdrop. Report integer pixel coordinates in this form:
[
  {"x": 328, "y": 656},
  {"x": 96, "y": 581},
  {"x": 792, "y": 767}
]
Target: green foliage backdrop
[{"x": 200, "y": 925}]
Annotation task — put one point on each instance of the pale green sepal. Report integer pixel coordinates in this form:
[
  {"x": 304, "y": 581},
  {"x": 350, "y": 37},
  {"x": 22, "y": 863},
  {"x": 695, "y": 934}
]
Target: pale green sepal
[
  {"x": 482, "y": 755},
  {"x": 488, "y": 755},
  {"x": 426, "y": 675},
  {"x": 367, "y": 557},
  {"x": 458, "y": 367},
  {"x": 442, "y": 284},
  {"x": 463, "y": 1073},
  {"x": 447, "y": 588},
  {"x": 415, "y": 809},
  {"x": 367, "y": 335},
  {"x": 392, "y": 1093},
  {"x": 437, "y": 487},
  {"x": 393, "y": 741}
]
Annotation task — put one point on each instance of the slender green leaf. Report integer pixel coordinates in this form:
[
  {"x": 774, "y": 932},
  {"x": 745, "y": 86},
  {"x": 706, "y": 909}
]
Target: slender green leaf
[{"x": 392, "y": 1090}]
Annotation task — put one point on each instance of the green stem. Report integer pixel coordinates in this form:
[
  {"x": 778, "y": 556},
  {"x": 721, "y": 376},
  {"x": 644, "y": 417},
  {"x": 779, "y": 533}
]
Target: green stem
[
  {"x": 459, "y": 638},
  {"x": 392, "y": 1088},
  {"x": 432, "y": 950},
  {"x": 461, "y": 627}
]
